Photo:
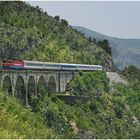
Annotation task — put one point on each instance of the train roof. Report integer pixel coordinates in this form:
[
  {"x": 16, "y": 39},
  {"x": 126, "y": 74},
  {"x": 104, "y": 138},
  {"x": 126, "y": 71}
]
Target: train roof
[
  {"x": 28, "y": 61},
  {"x": 68, "y": 64}
]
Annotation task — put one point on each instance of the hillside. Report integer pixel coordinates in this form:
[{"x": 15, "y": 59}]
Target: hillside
[
  {"x": 16, "y": 122},
  {"x": 27, "y": 32},
  {"x": 125, "y": 52},
  {"x": 107, "y": 114}
]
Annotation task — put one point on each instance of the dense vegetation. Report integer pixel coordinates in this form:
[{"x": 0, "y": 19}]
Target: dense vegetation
[
  {"x": 115, "y": 111},
  {"x": 108, "y": 113},
  {"x": 18, "y": 122},
  {"x": 133, "y": 75},
  {"x": 29, "y": 33}
]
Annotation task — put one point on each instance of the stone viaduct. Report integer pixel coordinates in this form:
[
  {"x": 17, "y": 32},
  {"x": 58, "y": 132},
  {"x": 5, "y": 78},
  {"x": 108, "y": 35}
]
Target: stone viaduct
[{"x": 24, "y": 84}]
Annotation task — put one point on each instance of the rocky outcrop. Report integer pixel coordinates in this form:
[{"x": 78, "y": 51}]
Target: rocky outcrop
[{"x": 116, "y": 78}]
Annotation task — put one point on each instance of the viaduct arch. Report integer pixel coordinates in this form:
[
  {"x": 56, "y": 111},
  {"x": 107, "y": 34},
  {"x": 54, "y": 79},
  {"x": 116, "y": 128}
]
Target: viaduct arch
[
  {"x": 7, "y": 85},
  {"x": 41, "y": 86},
  {"x": 51, "y": 85},
  {"x": 31, "y": 89},
  {"x": 20, "y": 89}
]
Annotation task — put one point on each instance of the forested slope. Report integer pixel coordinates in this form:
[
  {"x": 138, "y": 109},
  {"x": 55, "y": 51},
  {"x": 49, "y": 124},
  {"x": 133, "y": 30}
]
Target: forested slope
[{"x": 27, "y": 32}]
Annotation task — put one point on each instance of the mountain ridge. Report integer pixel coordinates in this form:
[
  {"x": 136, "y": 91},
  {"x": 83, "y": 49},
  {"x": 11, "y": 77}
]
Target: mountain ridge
[
  {"x": 127, "y": 50},
  {"x": 115, "y": 37}
]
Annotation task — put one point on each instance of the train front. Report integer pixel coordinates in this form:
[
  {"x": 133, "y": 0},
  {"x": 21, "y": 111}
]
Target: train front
[{"x": 13, "y": 64}]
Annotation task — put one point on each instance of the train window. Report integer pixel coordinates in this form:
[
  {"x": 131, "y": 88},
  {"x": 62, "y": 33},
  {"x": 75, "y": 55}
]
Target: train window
[
  {"x": 51, "y": 65},
  {"x": 69, "y": 66},
  {"x": 83, "y": 66},
  {"x": 30, "y": 64},
  {"x": 39, "y": 64},
  {"x": 34, "y": 64}
]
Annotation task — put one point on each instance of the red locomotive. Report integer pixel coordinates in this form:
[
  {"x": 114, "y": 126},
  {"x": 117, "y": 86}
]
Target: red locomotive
[{"x": 15, "y": 64}]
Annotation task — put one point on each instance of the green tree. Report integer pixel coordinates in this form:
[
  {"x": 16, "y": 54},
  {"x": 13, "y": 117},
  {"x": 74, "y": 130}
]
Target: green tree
[
  {"x": 105, "y": 45},
  {"x": 64, "y": 22},
  {"x": 57, "y": 17},
  {"x": 89, "y": 39}
]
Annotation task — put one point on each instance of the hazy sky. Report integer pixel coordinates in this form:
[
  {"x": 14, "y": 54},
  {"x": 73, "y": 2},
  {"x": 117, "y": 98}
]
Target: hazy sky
[{"x": 118, "y": 19}]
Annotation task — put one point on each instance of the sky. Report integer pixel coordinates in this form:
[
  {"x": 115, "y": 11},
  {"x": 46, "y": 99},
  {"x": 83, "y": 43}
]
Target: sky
[{"x": 113, "y": 18}]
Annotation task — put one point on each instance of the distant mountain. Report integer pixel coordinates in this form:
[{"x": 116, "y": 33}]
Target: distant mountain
[{"x": 125, "y": 52}]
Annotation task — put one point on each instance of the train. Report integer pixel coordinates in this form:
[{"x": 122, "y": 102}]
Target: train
[{"x": 37, "y": 65}]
